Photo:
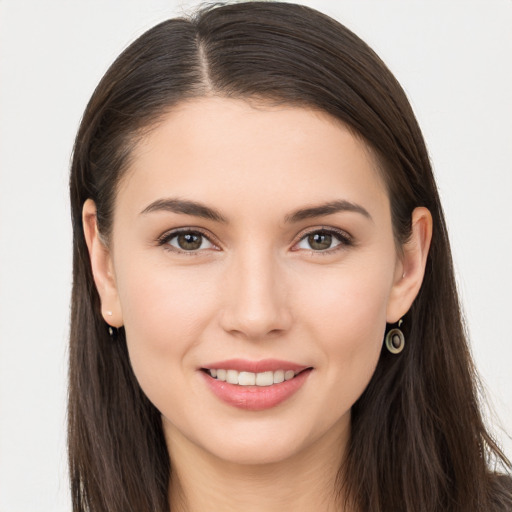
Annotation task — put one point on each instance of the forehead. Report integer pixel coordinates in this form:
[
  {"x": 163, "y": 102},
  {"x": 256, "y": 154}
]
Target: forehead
[{"x": 232, "y": 151}]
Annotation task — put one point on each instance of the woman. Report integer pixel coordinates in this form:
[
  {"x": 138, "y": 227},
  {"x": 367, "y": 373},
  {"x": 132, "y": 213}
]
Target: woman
[{"x": 263, "y": 289}]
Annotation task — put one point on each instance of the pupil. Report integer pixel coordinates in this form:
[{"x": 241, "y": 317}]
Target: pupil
[
  {"x": 189, "y": 241},
  {"x": 320, "y": 241}
]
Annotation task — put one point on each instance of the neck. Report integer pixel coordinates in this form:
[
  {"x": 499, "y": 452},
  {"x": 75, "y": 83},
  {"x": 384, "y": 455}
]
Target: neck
[{"x": 305, "y": 481}]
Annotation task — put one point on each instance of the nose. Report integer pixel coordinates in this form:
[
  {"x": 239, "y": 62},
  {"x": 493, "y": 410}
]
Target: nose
[{"x": 255, "y": 298}]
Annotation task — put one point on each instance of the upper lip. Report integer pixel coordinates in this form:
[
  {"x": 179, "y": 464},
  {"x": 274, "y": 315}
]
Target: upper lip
[{"x": 263, "y": 365}]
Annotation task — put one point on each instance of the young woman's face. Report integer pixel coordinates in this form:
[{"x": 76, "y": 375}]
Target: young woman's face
[{"x": 253, "y": 243}]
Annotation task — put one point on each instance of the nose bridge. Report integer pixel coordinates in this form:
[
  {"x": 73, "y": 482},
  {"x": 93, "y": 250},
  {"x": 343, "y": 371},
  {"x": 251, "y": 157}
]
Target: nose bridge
[{"x": 256, "y": 303}]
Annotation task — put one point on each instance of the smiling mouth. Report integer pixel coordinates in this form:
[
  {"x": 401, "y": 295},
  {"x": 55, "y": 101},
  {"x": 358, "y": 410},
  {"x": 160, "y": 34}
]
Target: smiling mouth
[
  {"x": 261, "y": 379},
  {"x": 270, "y": 383}
]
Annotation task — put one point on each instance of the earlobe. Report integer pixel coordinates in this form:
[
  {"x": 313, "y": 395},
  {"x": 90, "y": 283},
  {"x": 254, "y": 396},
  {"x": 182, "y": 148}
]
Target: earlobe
[
  {"x": 102, "y": 267},
  {"x": 411, "y": 268}
]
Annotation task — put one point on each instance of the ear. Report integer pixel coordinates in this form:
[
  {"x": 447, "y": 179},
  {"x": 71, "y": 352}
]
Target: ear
[
  {"x": 102, "y": 267},
  {"x": 410, "y": 267}
]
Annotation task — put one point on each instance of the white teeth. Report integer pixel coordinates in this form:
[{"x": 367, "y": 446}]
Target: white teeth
[
  {"x": 232, "y": 376},
  {"x": 289, "y": 374},
  {"x": 279, "y": 376},
  {"x": 247, "y": 379},
  {"x": 250, "y": 378},
  {"x": 265, "y": 379}
]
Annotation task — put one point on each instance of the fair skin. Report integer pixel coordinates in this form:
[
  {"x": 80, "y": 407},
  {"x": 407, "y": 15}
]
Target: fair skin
[{"x": 258, "y": 281}]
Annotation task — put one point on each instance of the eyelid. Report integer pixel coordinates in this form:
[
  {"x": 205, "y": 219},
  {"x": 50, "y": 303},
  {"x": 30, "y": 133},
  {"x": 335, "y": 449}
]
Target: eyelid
[
  {"x": 346, "y": 240},
  {"x": 164, "y": 238}
]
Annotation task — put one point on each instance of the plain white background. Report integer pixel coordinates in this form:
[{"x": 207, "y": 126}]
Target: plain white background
[{"x": 453, "y": 59}]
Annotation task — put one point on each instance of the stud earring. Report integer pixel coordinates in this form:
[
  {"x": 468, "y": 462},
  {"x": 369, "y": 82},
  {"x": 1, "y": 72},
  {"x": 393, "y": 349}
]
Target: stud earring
[{"x": 395, "y": 340}]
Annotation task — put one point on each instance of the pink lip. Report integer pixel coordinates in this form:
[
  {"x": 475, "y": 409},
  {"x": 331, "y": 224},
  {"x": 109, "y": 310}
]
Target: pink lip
[
  {"x": 264, "y": 365},
  {"x": 256, "y": 398}
]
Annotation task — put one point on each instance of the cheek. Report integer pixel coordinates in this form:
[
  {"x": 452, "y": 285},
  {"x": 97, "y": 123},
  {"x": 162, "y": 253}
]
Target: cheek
[
  {"x": 349, "y": 319},
  {"x": 162, "y": 303},
  {"x": 164, "y": 315},
  {"x": 349, "y": 305}
]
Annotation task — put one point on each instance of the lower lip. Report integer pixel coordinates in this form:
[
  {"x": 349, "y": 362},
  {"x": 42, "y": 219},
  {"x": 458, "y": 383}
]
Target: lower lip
[{"x": 256, "y": 398}]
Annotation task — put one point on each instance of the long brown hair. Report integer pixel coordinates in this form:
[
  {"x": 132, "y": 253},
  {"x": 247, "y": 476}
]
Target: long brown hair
[{"x": 418, "y": 442}]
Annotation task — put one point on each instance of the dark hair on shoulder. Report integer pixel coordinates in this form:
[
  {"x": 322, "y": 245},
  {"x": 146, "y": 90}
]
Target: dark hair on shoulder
[{"x": 418, "y": 441}]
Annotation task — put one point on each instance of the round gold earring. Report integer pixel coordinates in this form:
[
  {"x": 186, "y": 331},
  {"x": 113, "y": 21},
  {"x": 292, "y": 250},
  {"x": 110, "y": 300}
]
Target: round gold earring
[{"x": 395, "y": 340}]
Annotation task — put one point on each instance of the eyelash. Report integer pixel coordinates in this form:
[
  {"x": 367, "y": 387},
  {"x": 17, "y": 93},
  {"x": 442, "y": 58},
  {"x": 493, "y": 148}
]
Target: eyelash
[
  {"x": 344, "y": 239},
  {"x": 167, "y": 237}
]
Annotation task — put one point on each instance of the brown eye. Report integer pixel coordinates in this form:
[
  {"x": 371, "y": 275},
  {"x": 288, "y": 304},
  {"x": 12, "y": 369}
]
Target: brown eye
[
  {"x": 324, "y": 240},
  {"x": 189, "y": 241},
  {"x": 320, "y": 241}
]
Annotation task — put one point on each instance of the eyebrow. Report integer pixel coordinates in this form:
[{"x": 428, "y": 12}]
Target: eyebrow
[
  {"x": 326, "y": 209},
  {"x": 197, "y": 209},
  {"x": 187, "y": 207}
]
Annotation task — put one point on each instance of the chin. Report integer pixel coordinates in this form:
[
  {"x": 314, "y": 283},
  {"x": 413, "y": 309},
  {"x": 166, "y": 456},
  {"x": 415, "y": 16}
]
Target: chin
[{"x": 256, "y": 453}]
